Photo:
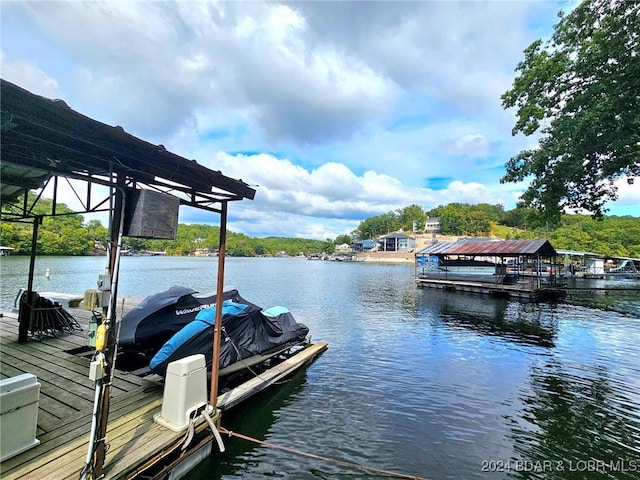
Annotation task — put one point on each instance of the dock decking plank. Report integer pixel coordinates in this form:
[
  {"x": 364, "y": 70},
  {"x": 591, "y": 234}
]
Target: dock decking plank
[
  {"x": 274, "y": 374},
  {"x": 70, "y": 339},
  {"x": 54, "y": 355},
  {"x": 68, "y": 459},
  {"x": 79, "y": 426},
  {"x": 119, "y": 406},
  {"x": 76, "y": 391},
  {"x": 78, "y": 372},
  {"x": 66, "y": 407}
]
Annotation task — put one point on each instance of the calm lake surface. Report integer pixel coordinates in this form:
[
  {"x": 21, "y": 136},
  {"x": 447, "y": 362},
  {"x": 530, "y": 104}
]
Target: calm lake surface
[{"x": 421, "y": 382}]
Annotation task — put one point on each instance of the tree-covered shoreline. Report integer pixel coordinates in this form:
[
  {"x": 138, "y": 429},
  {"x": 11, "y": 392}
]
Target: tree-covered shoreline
[
  {"x": 68, "y": 234},
  {"x": 606, "y": 235}
]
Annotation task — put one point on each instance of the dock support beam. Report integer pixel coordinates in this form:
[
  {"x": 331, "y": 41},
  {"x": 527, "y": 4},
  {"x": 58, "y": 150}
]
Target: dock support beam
[
  {"x": 102, "y": 412},
  {"x": 217, "y": 330},
  {"x": 26, "y": 313}
]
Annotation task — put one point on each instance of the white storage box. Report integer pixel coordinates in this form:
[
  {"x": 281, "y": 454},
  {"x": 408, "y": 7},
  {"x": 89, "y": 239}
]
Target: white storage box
[
  {"x": 185, "y": 389},
  {"x": 19, "y": 397}
]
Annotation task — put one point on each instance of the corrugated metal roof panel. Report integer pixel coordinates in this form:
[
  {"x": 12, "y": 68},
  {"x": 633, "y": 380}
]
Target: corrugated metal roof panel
[
  {"x": 501, "y": 247},
  {"x": 41, "y": 138}
]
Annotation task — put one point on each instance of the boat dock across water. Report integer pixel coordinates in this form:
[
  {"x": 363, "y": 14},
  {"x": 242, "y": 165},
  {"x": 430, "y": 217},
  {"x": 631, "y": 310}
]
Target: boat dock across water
[
  {"x": 523, "y": 269},
  {"x": 523, "y": 290}
]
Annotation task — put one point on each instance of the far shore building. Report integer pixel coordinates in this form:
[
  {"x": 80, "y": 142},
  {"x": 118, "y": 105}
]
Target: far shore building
[
  {"x": 363, "y": 246},
  {"x": 343, "y": 248},
  {"x": 432, "y": 225},
  {"x": 396, "y": 242}
]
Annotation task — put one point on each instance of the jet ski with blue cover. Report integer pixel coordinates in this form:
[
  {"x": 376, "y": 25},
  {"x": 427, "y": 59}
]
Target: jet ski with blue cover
[
  {"x": 250, "y": 336},
  {"x": 146, "y": 327}
]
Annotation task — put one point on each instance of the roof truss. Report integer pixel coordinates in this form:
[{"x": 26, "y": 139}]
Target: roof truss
[{"x": 44, "y": 141}]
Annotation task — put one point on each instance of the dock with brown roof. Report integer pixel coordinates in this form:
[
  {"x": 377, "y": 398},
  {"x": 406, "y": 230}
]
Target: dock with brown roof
[{"x": 493, "y": 267}]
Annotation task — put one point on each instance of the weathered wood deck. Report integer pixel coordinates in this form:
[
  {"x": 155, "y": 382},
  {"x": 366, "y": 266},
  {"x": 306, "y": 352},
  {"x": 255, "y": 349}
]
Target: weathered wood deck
[{"x": 66, "y": 404}]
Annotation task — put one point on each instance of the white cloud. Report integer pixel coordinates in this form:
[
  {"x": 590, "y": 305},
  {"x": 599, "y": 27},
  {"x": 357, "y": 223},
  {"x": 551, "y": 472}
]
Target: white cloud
[
  {"x": 167, "y": 61},
  {"x": 331, "y": 191},
  {"x": 332, "y": 194},
  {"x": 471, "y": 145},
  {"x": 628, "y": 192},
  {"x": 343, "y": 110},
  {"x": 28, "y": 76}
]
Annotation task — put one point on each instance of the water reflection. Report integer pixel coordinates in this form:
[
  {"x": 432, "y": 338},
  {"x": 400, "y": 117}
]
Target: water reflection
[
  {"x": 576, "y": 423},
  {"x": 620, "y": 295},
  {"x": 508, "y": 319},
  {"x": 253, "y": 418}
]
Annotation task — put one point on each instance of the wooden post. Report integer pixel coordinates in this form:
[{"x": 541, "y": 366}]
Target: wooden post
[{"x": 217, "y": 333}]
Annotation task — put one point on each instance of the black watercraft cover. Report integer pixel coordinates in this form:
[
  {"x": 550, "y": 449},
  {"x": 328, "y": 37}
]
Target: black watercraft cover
[
  {"x": 158, "y": 317},
  {"x": 246, "y": 331}
]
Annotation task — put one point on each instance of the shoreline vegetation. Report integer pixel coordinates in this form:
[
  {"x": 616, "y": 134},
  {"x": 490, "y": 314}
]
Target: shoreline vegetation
[{"x": 69, "y": 235}]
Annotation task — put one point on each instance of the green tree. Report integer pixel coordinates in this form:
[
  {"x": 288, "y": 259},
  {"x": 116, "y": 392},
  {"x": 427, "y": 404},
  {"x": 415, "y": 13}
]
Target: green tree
[
  {"x": 466, "y": 219},
  {"x": 239, "y": 245},
  {"x": 136, "y": 244},
  {"x": 408, "y": 215},
  {"x": 580, "y": 91},
  {"x": 63, "y": 234},
  {"x": 97, "y": 231},
  {"x": 11, "y": 235},
  {"x": 328, "y": 245},
  {"x": 379, "y": 225},
  {"x": 340, "y": 239},
  {"x": 520, "y": 217}
]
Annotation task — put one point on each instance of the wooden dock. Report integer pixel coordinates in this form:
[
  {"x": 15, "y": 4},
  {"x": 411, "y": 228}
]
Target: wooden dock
[
  {"x": 66, "y": 405},
  {"x": 528, "y": 290}
]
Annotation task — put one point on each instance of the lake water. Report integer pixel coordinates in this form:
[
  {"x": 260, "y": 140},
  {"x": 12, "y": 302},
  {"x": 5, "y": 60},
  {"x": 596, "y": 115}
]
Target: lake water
[{"x": 422, "y": 382}]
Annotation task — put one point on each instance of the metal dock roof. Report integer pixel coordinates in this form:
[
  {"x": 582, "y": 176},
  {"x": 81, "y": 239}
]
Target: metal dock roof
[{"x": 492, "y": 247}]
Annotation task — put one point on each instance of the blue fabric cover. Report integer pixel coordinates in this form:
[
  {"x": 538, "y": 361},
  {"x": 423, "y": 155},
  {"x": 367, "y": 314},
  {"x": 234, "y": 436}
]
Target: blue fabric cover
[
  {"x": 275, "y": 311},
  {"x": 248, "y": 331},
  {"x": 205, "y": 318}
]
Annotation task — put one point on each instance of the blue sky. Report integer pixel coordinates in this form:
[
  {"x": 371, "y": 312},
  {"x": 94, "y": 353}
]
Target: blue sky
[{"x": 336, "y": 111}]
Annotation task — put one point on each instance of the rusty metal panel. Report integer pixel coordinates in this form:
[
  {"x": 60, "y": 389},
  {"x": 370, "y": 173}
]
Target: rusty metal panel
[{"x": 491, "y": 247}]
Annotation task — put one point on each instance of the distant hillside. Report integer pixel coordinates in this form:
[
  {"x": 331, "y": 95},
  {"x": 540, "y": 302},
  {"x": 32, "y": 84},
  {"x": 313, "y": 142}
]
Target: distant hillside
[{"x": 69, "y": 235}]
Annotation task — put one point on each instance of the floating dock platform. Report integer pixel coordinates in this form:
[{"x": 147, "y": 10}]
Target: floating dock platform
[
  {"x": 522, "y": 290},
  {"x": 136, "y": 442}
]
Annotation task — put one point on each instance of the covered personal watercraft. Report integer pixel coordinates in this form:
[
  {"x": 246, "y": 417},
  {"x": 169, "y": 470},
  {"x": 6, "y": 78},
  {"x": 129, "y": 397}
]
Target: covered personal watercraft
[
  {"x": 179, "y": 322},
  {"x": 159, "y": 317},
  {"x": 248, "y": 334}
]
